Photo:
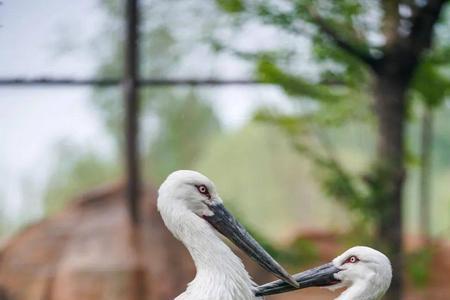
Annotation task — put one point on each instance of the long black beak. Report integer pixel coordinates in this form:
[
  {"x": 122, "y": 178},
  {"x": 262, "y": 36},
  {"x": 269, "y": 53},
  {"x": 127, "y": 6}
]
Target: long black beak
[
  {"x": 224, "y": 222},
  {"x": 319, "y": 276}
]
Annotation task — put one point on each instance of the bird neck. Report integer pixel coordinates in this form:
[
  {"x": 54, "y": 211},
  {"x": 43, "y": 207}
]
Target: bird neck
[
  {"x": 220, "y": 273},
  {"x": 361, "y": 290}
]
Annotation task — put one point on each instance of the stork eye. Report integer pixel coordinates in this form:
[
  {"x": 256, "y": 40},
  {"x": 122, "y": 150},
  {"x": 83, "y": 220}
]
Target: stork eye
[
  {"x": 203, "y": 190},
  {"x": 352, "y": 259}
]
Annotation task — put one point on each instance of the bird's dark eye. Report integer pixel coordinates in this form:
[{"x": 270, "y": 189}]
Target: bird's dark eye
[
  {"x": 203, "y": 190},
  {"x": 352, "y": 259}
]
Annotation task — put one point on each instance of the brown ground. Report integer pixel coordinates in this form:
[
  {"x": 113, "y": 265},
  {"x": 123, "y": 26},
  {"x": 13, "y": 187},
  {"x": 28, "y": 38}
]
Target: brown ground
[{"x": 90, "y": 251}]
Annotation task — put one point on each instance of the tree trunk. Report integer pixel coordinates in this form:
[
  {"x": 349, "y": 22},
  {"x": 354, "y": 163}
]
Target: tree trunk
[
  {"x": 390, "y": 104},
  {"x": 392, "y": 76}
]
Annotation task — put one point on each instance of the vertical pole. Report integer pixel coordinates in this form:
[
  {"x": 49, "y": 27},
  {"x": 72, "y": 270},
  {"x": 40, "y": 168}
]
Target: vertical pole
[
  {"x": 131, "y": 98},
  {"x": 425, "y": 173}
]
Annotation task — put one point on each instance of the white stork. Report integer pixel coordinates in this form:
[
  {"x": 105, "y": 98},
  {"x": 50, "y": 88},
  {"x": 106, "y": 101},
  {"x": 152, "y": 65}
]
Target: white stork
[
  {"x": 191, "y": 209},
  {"x": 365, "y": 272}
]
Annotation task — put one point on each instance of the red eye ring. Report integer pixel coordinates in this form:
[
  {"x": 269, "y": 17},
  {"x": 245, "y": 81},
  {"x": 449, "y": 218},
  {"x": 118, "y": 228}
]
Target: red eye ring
[
  {"x": 203, "y": 190},
  {"x": 352, "y": 259}
]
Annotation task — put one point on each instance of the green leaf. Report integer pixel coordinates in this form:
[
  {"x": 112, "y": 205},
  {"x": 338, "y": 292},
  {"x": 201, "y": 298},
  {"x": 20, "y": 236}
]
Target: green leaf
[
  {"x": 231, "y": 6},
  {"x": 431, "y": 94},
  {"x": 267, "y": 71},
  {"x": 419, "y": 266}
]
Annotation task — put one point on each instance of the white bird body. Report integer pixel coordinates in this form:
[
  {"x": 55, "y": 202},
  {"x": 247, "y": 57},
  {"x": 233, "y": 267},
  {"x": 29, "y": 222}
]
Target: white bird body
[
  {"x": 220, "y": 273},
  {"x": 192, "y": 210}
]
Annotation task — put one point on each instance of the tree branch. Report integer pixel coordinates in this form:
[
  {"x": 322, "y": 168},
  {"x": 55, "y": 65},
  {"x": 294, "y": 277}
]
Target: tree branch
[
  {"x": 423, "y": 24},
  {"x": 345, "y": 45}
]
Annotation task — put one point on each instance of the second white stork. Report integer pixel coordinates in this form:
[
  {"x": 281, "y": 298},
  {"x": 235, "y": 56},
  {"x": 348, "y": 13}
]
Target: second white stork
[
  {"x": 192, "y": 210},
  {"x": 365, "y": 272}
]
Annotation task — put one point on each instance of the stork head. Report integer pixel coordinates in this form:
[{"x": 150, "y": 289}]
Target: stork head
[
  {"x": 189, "y": 195},
  {"x": 365, "y": 272},
  {"x": 188, "y": 192},
  {"x": 363, "y": 268}
]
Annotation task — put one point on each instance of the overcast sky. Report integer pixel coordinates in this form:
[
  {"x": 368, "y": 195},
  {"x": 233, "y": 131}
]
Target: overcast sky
[
  {"x": 32, "y": 120},
  {"x": 51, "y": 38}
]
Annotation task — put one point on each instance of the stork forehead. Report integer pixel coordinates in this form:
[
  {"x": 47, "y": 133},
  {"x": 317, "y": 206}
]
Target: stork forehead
[
  {"x": 363, "y": 253},
  {"x": 188, "y": 177}
]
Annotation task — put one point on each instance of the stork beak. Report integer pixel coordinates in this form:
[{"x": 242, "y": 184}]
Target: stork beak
[
  {"x": 224, "y": 222},
  {"x": 319, "y": 276}
]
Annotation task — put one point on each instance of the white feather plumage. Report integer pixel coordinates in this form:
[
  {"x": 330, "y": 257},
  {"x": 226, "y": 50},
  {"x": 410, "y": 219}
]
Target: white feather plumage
[
  {"x": 368, "y": 279},
  {"x": 220, "y": 273}
]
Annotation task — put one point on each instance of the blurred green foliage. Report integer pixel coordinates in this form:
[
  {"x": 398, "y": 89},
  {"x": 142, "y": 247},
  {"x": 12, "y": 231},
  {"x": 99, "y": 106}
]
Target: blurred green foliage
[
  {"x": 331, "y": 123},
  {"x": 265, "y": 181},
  {"x": 418, "y": 266},
  {"x": 339, "y": 92},
  {"x": 175, "y": 123},
  {"x": 267, "y": 71},
  {"x": 339, "y": 99},
  {"x": 300, "y": 253},
  {"x": 75, "y": 171},
  {"x": 434, "y": 68},
  {"x": 186, "y": 125},
  {"x": 231, "y": 6}
]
